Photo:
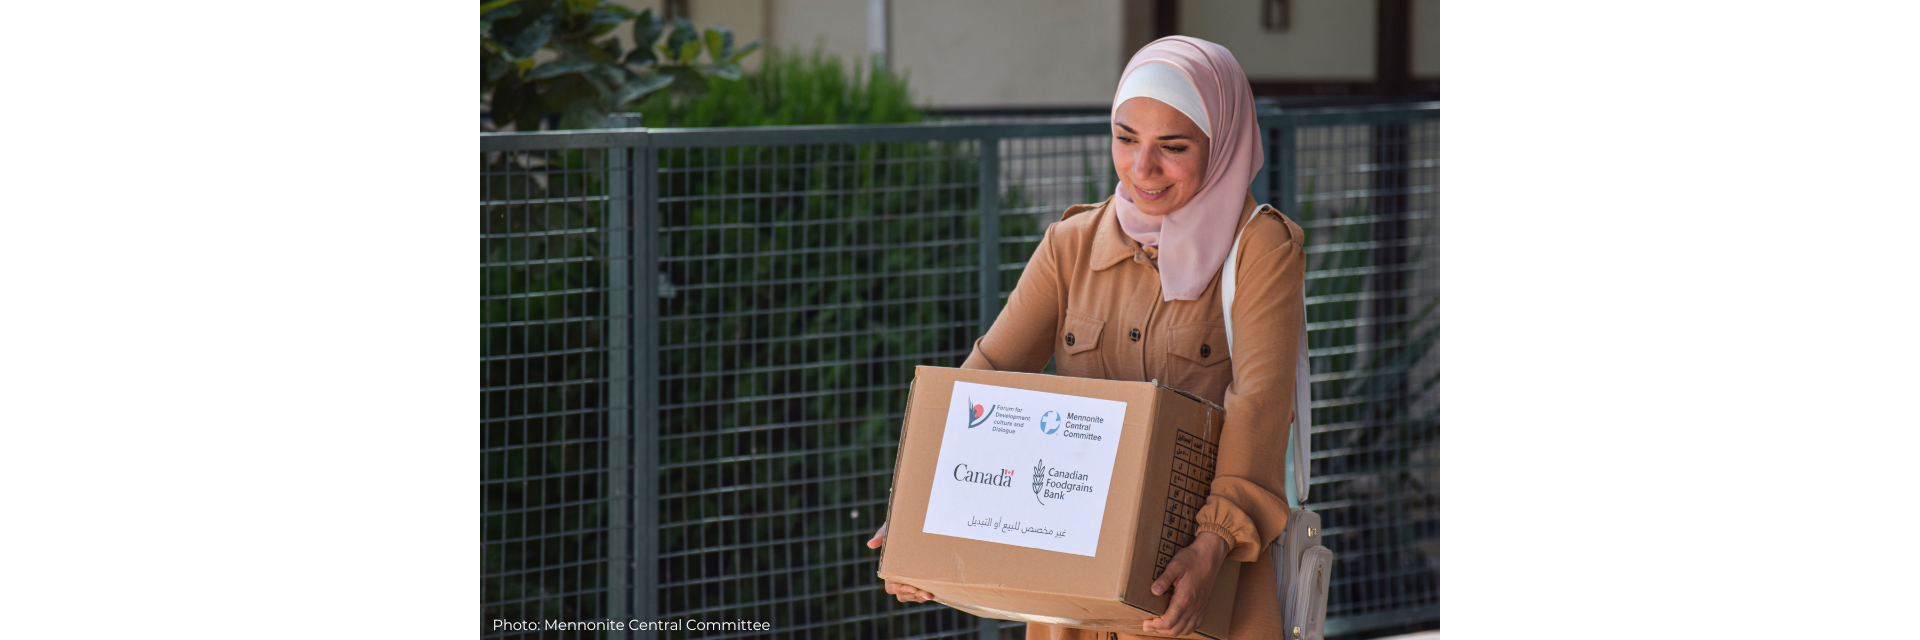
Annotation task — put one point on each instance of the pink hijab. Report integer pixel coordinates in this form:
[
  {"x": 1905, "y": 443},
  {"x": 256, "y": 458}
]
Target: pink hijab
[{"x": 1194, "y": 240}]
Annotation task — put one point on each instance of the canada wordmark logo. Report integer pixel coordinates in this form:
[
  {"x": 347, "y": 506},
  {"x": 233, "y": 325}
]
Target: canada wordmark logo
[{"x": 996, "y": 478}]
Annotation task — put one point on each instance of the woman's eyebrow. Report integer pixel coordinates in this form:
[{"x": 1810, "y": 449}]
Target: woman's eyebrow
[{"x": 1167, "y": 137}]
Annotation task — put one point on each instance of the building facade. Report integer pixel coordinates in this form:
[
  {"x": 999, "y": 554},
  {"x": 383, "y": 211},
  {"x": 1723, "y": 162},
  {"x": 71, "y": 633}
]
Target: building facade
[{"x": 984, "y": 54}]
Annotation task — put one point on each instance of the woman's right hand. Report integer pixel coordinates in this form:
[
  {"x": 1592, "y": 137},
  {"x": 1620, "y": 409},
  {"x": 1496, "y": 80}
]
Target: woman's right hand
[{"x": 900, "y": 591}]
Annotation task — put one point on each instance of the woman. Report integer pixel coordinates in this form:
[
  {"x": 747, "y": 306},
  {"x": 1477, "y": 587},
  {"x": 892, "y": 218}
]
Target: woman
[{"x": 1129, "y": 289}]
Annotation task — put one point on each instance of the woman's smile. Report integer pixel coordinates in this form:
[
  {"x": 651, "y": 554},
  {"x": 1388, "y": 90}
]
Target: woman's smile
[{"x": 1157, "y": 146}]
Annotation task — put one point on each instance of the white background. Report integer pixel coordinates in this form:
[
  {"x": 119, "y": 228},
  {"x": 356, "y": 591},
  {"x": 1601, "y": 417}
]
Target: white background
[
  {"x": 1679, "y": 326},
  {"x": 952, "y": 505}
]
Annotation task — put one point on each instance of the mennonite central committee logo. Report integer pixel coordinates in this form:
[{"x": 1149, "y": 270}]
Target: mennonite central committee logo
[
  {"x": 978, "y": 415},
  {"x": 1050, "y": 422}
]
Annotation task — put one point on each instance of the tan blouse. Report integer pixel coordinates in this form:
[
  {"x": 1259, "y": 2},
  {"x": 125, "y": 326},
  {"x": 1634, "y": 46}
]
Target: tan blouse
[{"x": 1090, "y": 299}]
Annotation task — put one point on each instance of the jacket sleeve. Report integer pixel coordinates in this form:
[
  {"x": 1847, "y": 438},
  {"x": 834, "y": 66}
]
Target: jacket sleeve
[
  {"x": 1248, "y": 506},
  {"x": 1021, "y": 338}
]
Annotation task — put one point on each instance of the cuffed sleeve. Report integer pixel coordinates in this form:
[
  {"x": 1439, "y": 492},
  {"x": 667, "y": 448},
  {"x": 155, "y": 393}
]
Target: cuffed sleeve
[{"x": 1224, "y": 518}]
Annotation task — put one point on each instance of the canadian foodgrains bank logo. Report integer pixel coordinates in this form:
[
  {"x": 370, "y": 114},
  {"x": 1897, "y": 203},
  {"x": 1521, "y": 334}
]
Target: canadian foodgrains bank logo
[
  {"x": 1050, "y": 422},
  {"x": 1055, "y": 483},
  {"x": 978, "y": 415},
  {"x": 1039, "y": 480}
]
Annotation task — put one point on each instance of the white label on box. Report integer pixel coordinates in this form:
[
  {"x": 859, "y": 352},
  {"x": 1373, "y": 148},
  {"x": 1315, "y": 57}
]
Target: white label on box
[{"x": 1025, "y": 468}]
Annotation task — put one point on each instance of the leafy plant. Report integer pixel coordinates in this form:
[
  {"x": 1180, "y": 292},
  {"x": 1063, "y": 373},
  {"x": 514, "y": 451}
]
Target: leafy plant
[{"x": 591, "y": 77}]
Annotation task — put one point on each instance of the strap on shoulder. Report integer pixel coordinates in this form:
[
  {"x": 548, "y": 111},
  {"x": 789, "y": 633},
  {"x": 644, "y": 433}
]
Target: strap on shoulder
[{"x": 1299, "y": 447}]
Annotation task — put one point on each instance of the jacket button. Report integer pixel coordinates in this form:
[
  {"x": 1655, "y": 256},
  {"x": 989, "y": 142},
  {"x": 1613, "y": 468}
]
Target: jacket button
[
  {"x": 1135, "y": 334},
  {"x": 1069, "y": 339},
  {"x": 1205, "y": 351}
]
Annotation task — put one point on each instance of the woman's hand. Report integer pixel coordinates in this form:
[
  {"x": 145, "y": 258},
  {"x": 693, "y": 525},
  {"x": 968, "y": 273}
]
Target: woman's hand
[
  {"x": 1190, "y": 575},
  {"x": 900, "y": 591}
]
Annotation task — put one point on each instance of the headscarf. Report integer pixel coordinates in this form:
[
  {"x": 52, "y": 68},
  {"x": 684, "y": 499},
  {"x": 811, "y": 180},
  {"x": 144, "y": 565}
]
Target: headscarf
[{"x": 1193, "y": 240}]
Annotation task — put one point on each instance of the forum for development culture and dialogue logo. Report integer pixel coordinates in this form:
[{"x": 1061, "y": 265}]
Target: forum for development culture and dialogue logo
[
  {"x": 1050, "y": 422},
  {"x": 978, "y": 415}
]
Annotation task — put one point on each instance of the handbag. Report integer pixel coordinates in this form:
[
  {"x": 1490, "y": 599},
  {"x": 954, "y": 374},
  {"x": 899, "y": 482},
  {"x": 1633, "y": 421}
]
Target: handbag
[{"x": 1302, "y": 567}]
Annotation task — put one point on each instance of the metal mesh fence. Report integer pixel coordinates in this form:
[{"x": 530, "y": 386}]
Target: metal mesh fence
[
  {"x": 762, "y": 296},
  {"x": 1368, "y": 198},
  {"x": 555, "y": 324},
  {"x": 807, "y": 280}
]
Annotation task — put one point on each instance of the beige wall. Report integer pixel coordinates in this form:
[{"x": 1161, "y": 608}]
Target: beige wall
[
  {"x": 1009, "y": 52},
  {"x": 1326, "y": 39},
  {"x": 838, "y": 27},
  {"x": 1426, "y": 40}
]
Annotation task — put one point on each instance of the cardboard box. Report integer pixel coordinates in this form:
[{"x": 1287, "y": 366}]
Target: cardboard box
[{"x": 1051, "y": 499}]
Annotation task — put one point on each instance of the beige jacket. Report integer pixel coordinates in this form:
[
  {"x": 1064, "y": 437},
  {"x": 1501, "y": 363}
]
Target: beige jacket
[{"x": 1090, "y": 299}]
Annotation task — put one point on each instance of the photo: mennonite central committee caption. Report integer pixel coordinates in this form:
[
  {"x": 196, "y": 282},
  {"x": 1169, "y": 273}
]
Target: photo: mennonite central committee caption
[{"x": 1025, "y": 468}]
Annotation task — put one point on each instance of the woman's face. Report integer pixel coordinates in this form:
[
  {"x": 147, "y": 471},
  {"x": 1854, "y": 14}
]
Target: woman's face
[{"x": 1160, "y": 154}]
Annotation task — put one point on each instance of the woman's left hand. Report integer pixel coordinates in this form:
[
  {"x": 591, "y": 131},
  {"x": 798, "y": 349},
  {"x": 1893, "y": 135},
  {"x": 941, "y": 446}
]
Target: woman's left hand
[{"x": 1190, "y": 575}]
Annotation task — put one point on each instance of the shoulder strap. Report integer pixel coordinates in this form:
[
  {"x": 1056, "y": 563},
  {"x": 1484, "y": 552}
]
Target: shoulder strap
[{"x": 1299, "y": 447}]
